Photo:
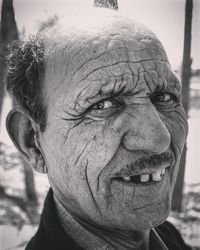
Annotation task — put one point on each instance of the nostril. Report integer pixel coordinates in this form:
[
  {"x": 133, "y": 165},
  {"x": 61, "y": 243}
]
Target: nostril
[{"x": 146, "y": 130}]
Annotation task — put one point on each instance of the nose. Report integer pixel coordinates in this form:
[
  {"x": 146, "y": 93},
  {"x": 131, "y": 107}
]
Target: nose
[{"x": 145, "y": 130}]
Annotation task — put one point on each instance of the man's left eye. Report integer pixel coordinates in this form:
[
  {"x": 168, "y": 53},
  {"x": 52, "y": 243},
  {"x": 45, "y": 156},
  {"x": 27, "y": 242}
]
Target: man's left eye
[
  {"x": 165, "y": 101},
  {"x": 163, "y": 97}
]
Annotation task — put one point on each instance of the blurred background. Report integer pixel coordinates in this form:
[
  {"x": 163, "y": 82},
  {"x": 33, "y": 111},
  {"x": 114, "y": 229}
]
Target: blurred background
[{"x": 177, "y": 24}]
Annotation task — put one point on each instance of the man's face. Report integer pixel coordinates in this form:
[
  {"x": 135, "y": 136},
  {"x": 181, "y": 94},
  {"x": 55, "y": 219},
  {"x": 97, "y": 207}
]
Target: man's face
[{"x": 115, "y": 128}]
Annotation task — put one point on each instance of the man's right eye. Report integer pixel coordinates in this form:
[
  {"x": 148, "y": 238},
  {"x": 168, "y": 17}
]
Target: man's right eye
[
  {"x": 104, "y": 108},
  {"x": 105, "y": 104}
]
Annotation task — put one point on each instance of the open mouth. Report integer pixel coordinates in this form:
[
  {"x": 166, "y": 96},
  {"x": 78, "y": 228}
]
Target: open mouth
[{"x": 153, "y": 177}]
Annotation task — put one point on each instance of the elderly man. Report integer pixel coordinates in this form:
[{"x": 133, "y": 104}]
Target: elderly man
[{"x": 98, "y": 108}]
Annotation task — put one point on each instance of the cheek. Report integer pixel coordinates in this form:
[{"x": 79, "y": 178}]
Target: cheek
[
  {"x": 94, "y": 146},
  {"x": 80, "y": 153},
  {"x": 177, "y": 126}
]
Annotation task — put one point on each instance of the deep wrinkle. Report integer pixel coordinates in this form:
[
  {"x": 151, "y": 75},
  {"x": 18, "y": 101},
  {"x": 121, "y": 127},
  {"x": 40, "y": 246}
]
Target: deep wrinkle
[
  {"x": 112, "y": 51},
  {"x": 78, "y": 51},
  {"x": 116, "y": 64},
  {"x": 90, "y": 189},
  {"x": 100, "y": 93},
  {"x": 67, "y": 135},
  {"x": 97, "y": 94}
]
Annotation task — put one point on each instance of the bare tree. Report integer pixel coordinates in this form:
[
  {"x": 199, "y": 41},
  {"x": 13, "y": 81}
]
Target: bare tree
[
  {"x": 185, "y": 78},
  {"x": 8, "y": 33}
]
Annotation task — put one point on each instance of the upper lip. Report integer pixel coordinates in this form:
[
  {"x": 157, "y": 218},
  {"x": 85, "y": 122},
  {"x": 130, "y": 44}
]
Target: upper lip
[{"x": 146, "y": 166}]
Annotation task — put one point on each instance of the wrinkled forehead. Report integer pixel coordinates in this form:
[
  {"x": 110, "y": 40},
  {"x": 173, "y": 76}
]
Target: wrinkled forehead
[{"x": 85, "y": 43}]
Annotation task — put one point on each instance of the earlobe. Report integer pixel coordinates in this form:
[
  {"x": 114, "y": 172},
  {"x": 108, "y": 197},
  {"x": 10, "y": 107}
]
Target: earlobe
[
  {"x": 37, "y": 160},
  {"x": 22, "y": 131}
]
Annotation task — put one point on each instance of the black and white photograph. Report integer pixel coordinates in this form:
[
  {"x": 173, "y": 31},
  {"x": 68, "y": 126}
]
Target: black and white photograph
[{"x": 99, "y": 124}]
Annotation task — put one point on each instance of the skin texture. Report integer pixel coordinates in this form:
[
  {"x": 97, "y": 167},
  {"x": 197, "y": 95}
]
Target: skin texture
[{"x": 113, "y": 109}]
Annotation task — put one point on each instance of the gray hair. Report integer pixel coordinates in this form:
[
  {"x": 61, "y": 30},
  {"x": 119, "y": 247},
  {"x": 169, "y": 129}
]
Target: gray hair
[{"x": 25, "y": 71}]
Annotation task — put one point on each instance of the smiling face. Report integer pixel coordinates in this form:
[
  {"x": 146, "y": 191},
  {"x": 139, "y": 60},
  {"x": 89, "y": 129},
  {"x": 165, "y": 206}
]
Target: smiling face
[{"x": 115, "y": 125}]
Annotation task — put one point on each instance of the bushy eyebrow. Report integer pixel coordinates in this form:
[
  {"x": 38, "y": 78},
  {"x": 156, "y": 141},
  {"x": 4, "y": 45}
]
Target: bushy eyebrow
[{"x": 126, "y": 84}]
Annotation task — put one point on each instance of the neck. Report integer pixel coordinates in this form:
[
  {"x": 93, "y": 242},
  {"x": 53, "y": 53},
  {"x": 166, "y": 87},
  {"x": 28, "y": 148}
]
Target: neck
[{"x": 90, "y": 236}]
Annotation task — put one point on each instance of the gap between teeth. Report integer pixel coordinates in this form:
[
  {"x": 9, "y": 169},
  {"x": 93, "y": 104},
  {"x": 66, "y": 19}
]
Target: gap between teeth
[{"x": 155, "y": 176}]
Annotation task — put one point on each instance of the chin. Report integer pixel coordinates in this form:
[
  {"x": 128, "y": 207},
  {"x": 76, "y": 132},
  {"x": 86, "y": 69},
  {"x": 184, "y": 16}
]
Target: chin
[
  {"x": 152, "y": 216},
  {"x": 151, "y": 222},
  {"x": 157, "y": 217},
  {"x": 143, "y": 219}
]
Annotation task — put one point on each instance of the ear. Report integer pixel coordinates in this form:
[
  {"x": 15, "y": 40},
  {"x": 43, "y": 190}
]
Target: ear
[{"x": 23, "y": 132}]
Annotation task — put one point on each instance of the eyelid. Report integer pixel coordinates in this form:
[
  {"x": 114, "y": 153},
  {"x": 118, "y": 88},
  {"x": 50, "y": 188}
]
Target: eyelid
[
  {"x": 175, "y": 97},
  {"x": 109, "y": 95}
]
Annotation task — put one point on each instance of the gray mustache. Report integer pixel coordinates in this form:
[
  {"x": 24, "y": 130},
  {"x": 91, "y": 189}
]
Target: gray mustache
[{"x": 152, "y": 162}]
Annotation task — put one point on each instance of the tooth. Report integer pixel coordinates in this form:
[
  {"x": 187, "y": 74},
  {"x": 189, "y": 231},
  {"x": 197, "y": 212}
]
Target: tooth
[
  {"x": 127, "y": 178},
  {"x": 163, "y": 171},
  {"x": 144, "y": 177},
  {"x": 156, "y": 175}
]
